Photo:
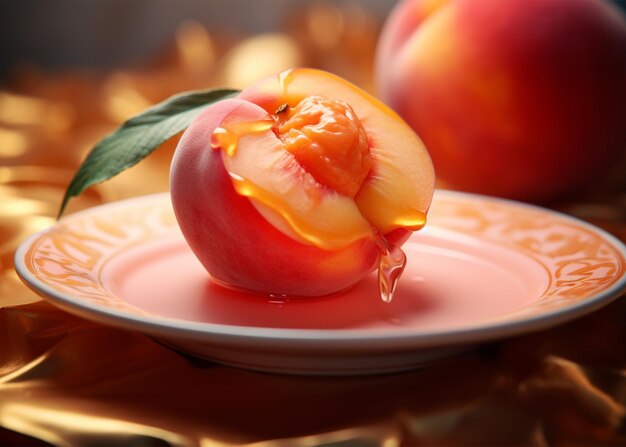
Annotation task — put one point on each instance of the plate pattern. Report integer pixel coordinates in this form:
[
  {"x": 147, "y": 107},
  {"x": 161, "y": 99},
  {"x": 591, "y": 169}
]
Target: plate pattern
[
  {"x": 579, "y": 261},
  {"x": 71, "y": 256}
]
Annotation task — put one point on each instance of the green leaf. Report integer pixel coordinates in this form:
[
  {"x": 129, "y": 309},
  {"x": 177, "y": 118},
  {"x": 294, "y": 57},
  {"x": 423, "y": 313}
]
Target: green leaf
[{"x": 139, "y": 136}]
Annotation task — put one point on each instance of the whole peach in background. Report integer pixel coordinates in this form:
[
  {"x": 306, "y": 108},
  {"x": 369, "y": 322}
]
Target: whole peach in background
[
  {"x": 292, "y": 187},
  {"x": 518, "y": 98}
]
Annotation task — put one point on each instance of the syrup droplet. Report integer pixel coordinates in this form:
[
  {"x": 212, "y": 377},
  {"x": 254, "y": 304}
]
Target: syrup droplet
[
  {"x": 390, "y": 268},
  {"x": 412, "y": 220},
  {"x": 284, "y": 79},
  {"x": 300, "y": 227},
  {"x": 227, "y": 136}
]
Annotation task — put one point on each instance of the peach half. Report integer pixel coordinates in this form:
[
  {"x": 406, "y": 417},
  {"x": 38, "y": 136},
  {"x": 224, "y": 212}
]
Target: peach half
[{"x": 299, "y": 185}]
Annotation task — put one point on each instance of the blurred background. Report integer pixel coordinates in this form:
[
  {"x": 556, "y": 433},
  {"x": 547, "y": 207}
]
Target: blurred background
[
  {"x": 71, "y": 71},
  {"x": 104, "y": 34}
]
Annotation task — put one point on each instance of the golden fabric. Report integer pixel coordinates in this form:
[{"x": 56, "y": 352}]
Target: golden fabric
[{"x": 72, "y": 382}]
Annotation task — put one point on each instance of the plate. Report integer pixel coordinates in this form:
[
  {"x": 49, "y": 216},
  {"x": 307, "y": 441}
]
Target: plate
[{"x": 481, "y": 270}]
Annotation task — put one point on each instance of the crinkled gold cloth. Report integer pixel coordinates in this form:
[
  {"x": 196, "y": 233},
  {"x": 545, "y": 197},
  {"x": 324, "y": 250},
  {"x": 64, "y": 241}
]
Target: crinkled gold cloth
[{"x": 76, "y": 383}]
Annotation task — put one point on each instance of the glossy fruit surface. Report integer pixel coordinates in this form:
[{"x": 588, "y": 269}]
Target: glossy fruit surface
[{"x": 519, "y": 98}]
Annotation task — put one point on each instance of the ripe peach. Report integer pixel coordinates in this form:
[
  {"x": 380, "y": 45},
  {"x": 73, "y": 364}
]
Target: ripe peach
[
  {"x": 520, "y": 98},
  {"x": 289, "y": 188}
]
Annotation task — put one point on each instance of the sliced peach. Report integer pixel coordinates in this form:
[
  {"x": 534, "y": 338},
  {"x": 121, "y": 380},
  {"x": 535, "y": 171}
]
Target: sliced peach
[
  {"x": 399, "y": 187},
  {"x": 290, "y": 188}
]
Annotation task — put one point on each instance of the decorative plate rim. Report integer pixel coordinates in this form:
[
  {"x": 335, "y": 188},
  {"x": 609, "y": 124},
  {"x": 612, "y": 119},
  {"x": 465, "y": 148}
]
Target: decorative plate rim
[{"x": 336, "y": 338}]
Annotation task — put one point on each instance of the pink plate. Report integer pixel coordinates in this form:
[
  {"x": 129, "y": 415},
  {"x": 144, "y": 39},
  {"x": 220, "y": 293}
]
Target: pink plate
[{"x": 482, "y": 269}]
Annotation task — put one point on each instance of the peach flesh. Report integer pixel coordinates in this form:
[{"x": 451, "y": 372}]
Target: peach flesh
[
  {"x": 398, "y": 191},
  {"x": 328, "y": 141}
]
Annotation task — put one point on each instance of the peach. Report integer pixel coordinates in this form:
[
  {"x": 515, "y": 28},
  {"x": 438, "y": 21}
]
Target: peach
[
  {"x": 519, "y": 98},
  {"x": 293, "y": 187}
]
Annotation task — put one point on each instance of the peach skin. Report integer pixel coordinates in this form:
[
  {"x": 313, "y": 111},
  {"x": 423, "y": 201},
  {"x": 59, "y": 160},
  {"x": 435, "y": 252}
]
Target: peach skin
[
  {"x": 524, "y": 99},
  {"x": 299, "y": 186}
]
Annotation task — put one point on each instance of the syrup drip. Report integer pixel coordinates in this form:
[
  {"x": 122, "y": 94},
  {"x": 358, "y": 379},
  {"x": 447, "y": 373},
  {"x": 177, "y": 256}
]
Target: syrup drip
[
  {"x": 411, "y": 219},
  {"x": 227, "y": 136},
  {"x": 284, "y": 79},
  {"x": 248, "y": 189},
  {"x": 390, "y": 268},
  {"x": 392, "y": 258}
]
